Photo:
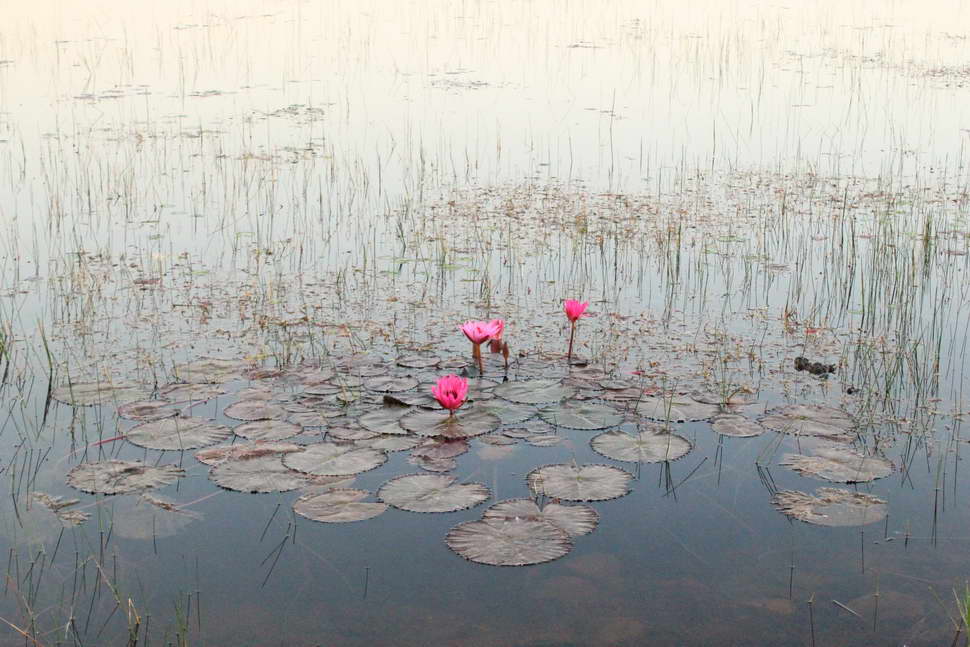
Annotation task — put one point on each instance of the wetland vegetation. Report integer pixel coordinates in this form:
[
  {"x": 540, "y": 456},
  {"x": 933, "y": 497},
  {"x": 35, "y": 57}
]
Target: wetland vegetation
[{"x": 728, "y": 245}]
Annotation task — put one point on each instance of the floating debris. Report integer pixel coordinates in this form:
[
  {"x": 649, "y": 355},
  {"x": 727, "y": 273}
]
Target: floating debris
[
  {"x": 149, "y": 517},
  {"x": 58, "y": 506},
  {"x": 831, "y": 507},
  {"x": 121, "y": 477},
  {"x": 840, "y": 465},
  {"x": 652, "y": 446},
  {"x": 338, "y": 506},
  {"x": 178, "y": 433},
  {"x": 815, "y": 368},
  {"x": 580, "y": 482},
  {"x": 508, "y": 542},
  {"x": 182, "y": 393},
  {"x": 581, "y": 415},
  {"x": 431, "y": 493}
]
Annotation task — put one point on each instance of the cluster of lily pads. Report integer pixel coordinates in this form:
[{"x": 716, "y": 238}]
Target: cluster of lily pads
[{"x": 314, "y": 428}]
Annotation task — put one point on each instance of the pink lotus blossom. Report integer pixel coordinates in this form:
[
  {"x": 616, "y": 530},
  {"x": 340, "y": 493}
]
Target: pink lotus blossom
[
  {"x": 478, "y": 331},
  {"x": 575, "y": 309},
  {"x": 498, "y": 325},
  {"x": 450, "y": 391}
]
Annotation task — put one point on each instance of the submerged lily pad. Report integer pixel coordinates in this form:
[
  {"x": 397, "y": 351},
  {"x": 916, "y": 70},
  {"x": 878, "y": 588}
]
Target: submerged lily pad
[
  {"x": 581, "y": 415},
  {"x": 810, "y": 420},
  {"x": 508, "y": 542},
  {"x": 831, "y": 507},
  {"x": 675, "y": 409},
  {"x": 333, "y": 459},
  {"x": 178, "y": 433},
  {"x": 146, "y": 410},
  {"x": 732, "y": 424},
  {"x": 253, "y": 410},
  {"x": 383, "y": 420},
  {"x": 431, "y": 493},
  {"x": 644, "y": 447},
  {"x": 259, "y": 474},
  {"x": 390, "y": 384},
  {"x": 121, "y": 477},
  {"x": 534, "y": 391},
  {"x": 464, "y": 424},
  {"x": 574, "y": 519},
  {"x": 218, "y": 455},
  {"x": 210, "y": 370},
  {"x": 267, "y": 430},
  {"x": 840, "y": 465},
  {"x": 86, "y": 394},
  {"x": 579, "y": 482},
  {"x": 338, "y": 506}
]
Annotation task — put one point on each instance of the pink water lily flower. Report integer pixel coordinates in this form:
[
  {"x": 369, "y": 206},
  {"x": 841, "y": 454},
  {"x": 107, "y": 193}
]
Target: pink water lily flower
[
  {"x": 498, "y": 326},
  {"x": 450, "y": 392},
  {"x": 575, "y": 309},
  {"x": 478, "y": 331}
]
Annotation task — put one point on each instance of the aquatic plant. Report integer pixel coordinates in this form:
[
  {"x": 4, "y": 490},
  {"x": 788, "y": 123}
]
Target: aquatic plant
[
  {"x": 479, "y": 332},
  {"x": 574, "y": 310},
  {"x": 450, "y": 392}
]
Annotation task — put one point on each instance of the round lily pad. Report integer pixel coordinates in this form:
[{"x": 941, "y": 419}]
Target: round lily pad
[
  {"x": 218, "y": 455},
  {"x": 121, "y": 477},
  {"x": 831, "y": 507},
  {"x": 574, "y": 519},
  {"x": 178, "y": 433},
  {"x": 431, "y": 493},
  {"x": 333, "y": 459},
  {"x": 383, "y": 420},
  {"x": 509, "y": 413},
  {"x": 253, "y": 410},
  {"x": 417, "y": 361},
  {"x": 440, "y": 448},
  {"x": 338, "y": 506},
  {"x": 86, "y": 394},
  {"x": 210, "y": 370},
  {"x": 534, "y": 391},
  {"x": 146, "y": 410},
  {"x": 644, "y": 447},
  {"x": 675, "y": 409},
  {"x": 840, "y": 465},
  {"x": 581, "y": 415},
  {"x": 732, "y": 397},
  {"x": 508, "y": 542},
  {"x": 732, "y": 424},
  {"x": 260, "y": 474},
  {"x": 390, "y": 384},
  {"x": 180, "y": 393},
  {"x": 433, "y": 464},
  {"x": 267, "y": 430},
  {"x": 544, "y": 440},
  {"x": 390, "y": 443},
  {"x": 810, "y": 420},
  {"x": 465, "y": 424},
  {"x": 351, "y": 433},
  {"x": 579, "y": 482}
]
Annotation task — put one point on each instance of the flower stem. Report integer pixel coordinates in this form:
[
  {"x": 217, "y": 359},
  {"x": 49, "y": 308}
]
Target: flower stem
[
  {"x": 477, "y": 355},
  {"x": 572, "y": 333}
]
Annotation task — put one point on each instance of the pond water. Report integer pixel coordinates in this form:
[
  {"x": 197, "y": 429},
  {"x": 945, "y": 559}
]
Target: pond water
[{"x": 294, "y": 205}]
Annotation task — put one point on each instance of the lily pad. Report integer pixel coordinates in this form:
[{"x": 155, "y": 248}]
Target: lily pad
[
  {"x": 644, "y": 447},
  {"x": 810, "y": 420},
  {"x": 86, "y": 394},
  {"x": 146, "y": 410},
  {"x": 58, "y": 506},
  {"x": 544, "y": 440},
  {"x": 351, "y": 433},
  {"x": 253, "y": 410},
  {"x": 732, "y": 424},
  {"x": 260, "y": 474},
  {"x": 241, "y": 451},
  {"x": 465, "y": 424},
  {"x": 831, "y": 507},
  {"x": 440, "y": 448},
  {"x": 181, "y": 393},
  {"x": 579, "y": 482},
  {"x": 210, "y": 370},
  {"x": 433, "y": 464},
  {"x": 508, "y": 542},
  {"x": 574, "y": 519},
  {"x": 121, "y": 477},
  {"x": 840, "y": 465},
  {"x": 390, "y": 443},
  {"x": 418, "y": 361},
  {"x": 333, "y": 459},
  {"x": 534, "y": 391},
  {"x": 675, "y": 409},
  {"x": 734, "y": 397},
  {"x": 508, "y": 412},
  {"x": 390, "y": 384},
  {"x": 178, "y": 433},
  {"x": 431, "y": 493},
  {"x": 384, "y": 420},
  {"x": 581, "y": 415},
  {"x": 267, "y": 430},
  {"x": 338, "y": 506}
]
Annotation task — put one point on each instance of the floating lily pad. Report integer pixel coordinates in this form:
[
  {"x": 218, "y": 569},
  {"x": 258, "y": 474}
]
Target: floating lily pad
[
  {"x": 384, "y": 420},
  {"x": 674, "y": 409},
  {"x": 253, "y": 410},
  {"x": 242, "y": 451},
  {"x": 581, "y": 415},
  {"x": 732, "y": 424},
  {"x": 831, "y": 507},
  {"x": 338, "y": 506},
  {"x": 544, "y": 440},
  {"x": 180, "y": 393},
  {"x": 346, "y": 382},
  {"x": 333, "y": 459},
  {"x": 256, "y": 393},
  {"x": 497, "y": 439},
  {"x": 644, "y": 447},
  {"x": 307, "y": 419},
  {"x": 411, "y": 399},
  {"x": 390, "y": 443},
  {"x": 534, "y": 391},
  {"x": 508, "y": 412},
  {"x": 390, "y": 384},
  {"x": 431, "y": 493},
  {"x": 121, "y": 477},
  {"x": 574, "y": 519},
  {"x": 433, "y": 464},
  {"x": 351, "y": 433},
  {"x": 734, "y": 397},
  {"x": 259, "y": 474},
  {"x": 210, "y": 370},
  {"x": 508, "y": 542},
  {"x": 178, "y": 433},
  {"x": 579, "y": 482},
  {"x": 465, "y": 424},
  {"x": 810, "y": 420},
  {"x": 440, "y": 448},
  {"x": 840, "y": 465},
  {"x": 267, "y": 430},
  {"x": 146, "y": 410},
  {"x": 86, "y": 394},
  {"x": 417, "y": 361}
]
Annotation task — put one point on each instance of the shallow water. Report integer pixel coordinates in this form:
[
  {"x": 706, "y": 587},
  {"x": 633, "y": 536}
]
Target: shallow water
[{"x": 731, "y": 186}]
